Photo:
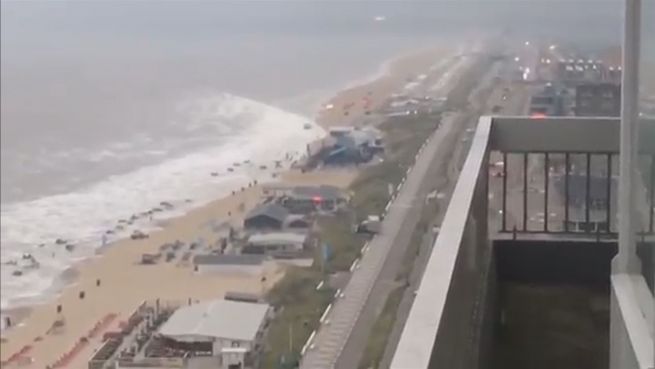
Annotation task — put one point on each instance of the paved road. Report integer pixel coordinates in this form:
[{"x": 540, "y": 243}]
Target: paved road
[
  {"x": 340, "y": 343},
  {"x": 331, "y": 338},
  {"x": 448, "y": 169},
  {"x": 372, "y": 279}
]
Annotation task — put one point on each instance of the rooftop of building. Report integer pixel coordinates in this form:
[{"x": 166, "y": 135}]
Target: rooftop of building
[
  {"x": 216, "y": 319},
  {"x": 212, "y": 259},
  {"x": 272, "y": 210},
  {"x": 275, "y": 238},
  {"x": 324, "y": 192}
]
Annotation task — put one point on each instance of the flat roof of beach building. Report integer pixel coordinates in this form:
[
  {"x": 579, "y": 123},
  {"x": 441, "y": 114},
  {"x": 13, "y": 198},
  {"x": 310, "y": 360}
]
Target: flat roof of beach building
[
  {"x": 218, "y": 318},
  {"x": 323, "y": 192},
  {"x": 241, "y": 259},
  {"x": 271, "y": 210},
  {"x": 276, "y": 238},
  {"x": 327, "y": 192}
]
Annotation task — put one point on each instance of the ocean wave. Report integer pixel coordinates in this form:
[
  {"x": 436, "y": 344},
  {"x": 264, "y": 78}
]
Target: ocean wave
[{"x": 243, "y": 130}]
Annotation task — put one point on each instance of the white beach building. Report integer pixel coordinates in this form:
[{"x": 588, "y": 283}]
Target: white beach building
[
  {"x": 229, "y": 264},
  {"x": 273, "y": 243},
  {"x": 231, "y": 330}
]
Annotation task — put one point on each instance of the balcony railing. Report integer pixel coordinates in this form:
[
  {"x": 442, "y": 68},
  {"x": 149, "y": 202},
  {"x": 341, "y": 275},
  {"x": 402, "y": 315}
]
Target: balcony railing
[{"x": 448, "y": 325}]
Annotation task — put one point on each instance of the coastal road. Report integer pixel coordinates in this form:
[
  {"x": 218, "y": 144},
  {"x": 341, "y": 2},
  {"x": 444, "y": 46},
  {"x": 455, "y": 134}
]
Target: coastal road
[
  {"x": 341, "y": 339},
  {"x": 398, "y": 224},
  {"x": 447, "y": 172}
]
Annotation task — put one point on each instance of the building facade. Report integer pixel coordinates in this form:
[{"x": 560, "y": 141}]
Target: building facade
[{"x": 598, "y": 100}]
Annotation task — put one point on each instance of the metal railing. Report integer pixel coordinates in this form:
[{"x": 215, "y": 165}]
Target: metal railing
[{"x": 447, "y": 325}]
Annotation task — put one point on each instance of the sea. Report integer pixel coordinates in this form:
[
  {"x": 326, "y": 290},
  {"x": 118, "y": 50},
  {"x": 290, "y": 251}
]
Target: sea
[{"x": 113, "y": 108}]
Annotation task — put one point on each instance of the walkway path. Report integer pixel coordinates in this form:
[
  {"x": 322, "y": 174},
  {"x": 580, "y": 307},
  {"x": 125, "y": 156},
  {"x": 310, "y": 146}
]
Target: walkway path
[{"x": 331, "y": 338}]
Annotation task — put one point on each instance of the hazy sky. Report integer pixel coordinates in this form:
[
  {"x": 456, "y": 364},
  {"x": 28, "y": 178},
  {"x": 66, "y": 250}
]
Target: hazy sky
[{"x": 87, "y": 73}]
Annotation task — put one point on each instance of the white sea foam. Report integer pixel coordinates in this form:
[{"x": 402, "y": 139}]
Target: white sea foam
[{"x": 245, "y": 130}]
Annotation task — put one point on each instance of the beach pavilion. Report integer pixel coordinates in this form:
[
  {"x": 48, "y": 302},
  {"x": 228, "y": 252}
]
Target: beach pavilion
[{"x": 228, "y": 333}]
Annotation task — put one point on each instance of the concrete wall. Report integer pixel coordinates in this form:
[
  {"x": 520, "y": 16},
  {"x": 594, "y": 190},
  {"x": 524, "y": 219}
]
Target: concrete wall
[
  {"x": 553, "y": 303},
  {"x": 203, "y": 362},
  {"x": 622, "y": 354},
  {"x": 220, "y": 343},
  {"x": 632, "y": 316},
  {"x": 465, "y": 329},
  {"x": 554, "y": 261},
  {"x": 446, "y": 324}
]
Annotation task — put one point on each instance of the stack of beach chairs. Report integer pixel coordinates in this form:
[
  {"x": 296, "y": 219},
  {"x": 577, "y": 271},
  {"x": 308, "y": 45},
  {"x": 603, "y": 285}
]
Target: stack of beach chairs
[
  {"x": 16, "y": 356},
  {"x": 65, "y": 359},
  {"x": 128, "y": 326},
  {"x": 101, "y": 325}
]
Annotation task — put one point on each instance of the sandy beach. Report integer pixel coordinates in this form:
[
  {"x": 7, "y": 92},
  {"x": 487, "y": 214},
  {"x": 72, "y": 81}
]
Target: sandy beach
[
  {"x": 352, "y": 103},
  {"x": 125, "y": 283}
]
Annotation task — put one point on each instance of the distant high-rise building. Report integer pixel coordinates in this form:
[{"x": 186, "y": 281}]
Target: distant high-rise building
[{"x": 598, "y": 100}]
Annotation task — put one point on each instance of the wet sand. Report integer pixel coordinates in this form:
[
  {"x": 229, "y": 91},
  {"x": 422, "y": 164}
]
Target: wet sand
[{"x": 125, "y": 283}]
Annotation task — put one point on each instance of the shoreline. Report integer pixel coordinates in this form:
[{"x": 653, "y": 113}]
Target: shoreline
[
  {"x": 187, "y": 226},
  {"x": 385, "y": 70},
  {"x": 399, "y": 71}
]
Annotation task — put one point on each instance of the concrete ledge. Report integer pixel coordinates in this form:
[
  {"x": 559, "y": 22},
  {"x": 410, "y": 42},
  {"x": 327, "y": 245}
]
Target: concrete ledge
[
  {"x": 524, "y": 134},
  {"x": 415, "y": 347},
  {"x": 632, "y": 323}
]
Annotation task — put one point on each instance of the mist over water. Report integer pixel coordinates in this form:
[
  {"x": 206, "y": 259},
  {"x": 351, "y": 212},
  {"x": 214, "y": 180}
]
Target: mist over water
[
  {"x": 88, "y": 75},
  {"x": 105, "y": 102}
]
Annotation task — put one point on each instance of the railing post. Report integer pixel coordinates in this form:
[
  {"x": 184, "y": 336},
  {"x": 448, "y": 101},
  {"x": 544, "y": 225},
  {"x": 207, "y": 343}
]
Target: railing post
[
  {"x": 504, "y": 215},
  {"x": 651, "y": 187},
  {"x": 567, "y": 165},
  {"x": 587, "y": 201},
  {"x": 608, "y": 194},
  {"x": 525, "y": 192},
  {"x": 546, "y": 174}
]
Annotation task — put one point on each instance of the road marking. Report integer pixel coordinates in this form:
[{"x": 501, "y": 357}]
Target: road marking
[
  {"x": 354, "y": 264},
  {"x": 308, "y": 343},
  {"x": 325, "y": 313}
]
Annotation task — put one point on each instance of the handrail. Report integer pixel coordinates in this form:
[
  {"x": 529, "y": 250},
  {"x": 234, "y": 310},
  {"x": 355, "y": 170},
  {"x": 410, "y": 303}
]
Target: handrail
[
  {"x": 417, "y": 340},
  {"x": 432, "y": 335},
  {"x": 564, "y": 134}
]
